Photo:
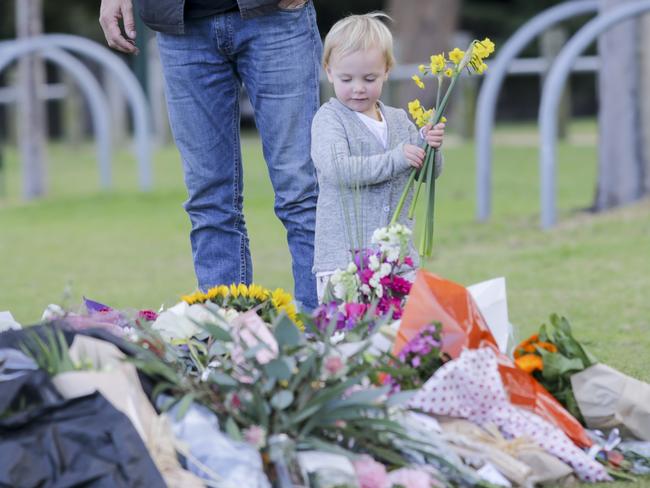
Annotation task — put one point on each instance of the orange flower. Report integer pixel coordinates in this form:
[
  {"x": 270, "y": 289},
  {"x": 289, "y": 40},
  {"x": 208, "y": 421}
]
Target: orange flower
[
  {"x": 526, "y": 346},
  {"x": 550, "y": 347},
  {"x": 530, "y": 363}
]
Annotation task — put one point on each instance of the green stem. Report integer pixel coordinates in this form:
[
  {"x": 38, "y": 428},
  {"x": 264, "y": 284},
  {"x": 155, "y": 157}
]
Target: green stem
[
  {"x": 435, "y": 119},
  {"x": 423, "y": 171},
  {"x": 402, "y": 199}
]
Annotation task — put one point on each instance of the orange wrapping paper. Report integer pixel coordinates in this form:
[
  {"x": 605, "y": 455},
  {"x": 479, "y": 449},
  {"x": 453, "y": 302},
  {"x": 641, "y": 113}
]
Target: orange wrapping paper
[{"x": 434, "y": 299}]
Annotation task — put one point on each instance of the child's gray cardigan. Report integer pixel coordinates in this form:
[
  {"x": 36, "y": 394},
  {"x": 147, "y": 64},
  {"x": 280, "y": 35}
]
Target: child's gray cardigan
[{"x": 348, "y": 156}]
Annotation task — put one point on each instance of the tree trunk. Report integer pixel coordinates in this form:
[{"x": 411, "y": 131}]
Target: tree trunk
[
  {"x": 421, "y": 28},
  {"x": 31, "y": 78},
  {"x": 620, "y": 178},
  {"x": 644, "y": 101}
]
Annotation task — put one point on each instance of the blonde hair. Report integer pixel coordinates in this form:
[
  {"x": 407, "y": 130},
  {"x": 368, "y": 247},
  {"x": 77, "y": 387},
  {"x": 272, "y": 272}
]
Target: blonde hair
[{"x": 359, "y": 33}]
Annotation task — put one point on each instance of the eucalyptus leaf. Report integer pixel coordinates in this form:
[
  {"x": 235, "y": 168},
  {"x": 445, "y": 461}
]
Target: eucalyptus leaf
[
  {"x": 222, "y": 379},
  {"x": 278, "y": 369},
  {"x": 282, "y": 399},
  {"x": 232, "y": 429},
  {"x": 286, "y": 332}
]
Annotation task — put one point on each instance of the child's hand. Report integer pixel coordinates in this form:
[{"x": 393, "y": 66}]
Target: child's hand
[
  {"x": 414, "y": 155},
  {"x": 434, "y": 135}
]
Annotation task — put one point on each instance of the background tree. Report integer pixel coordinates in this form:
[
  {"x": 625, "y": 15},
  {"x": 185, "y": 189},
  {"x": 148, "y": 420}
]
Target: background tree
[{"x": 621, "y": 169}]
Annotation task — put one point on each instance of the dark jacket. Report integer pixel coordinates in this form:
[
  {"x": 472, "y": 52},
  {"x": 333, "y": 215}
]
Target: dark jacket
[{"x": 167, "y": 15}]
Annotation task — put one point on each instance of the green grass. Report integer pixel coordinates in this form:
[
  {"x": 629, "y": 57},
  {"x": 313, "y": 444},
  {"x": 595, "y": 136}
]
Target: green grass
[{"x": 131, "y": 249}]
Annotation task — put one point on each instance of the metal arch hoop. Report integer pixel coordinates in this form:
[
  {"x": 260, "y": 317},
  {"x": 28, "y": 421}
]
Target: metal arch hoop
[
  {"x": 133, "y": 90},
  {"x": 552, "y": 92},
  {"x": 487, "y": 100}
]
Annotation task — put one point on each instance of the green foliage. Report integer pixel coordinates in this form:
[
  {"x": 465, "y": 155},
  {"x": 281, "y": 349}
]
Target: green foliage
[
  {"x": 50, "y": 353},
  {"x": 571, "y": 358}
]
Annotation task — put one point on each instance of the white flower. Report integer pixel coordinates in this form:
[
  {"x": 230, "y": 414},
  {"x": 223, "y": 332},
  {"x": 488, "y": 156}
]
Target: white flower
[
  {"x": 373, "y": 262},
  {"x": 182, "y": 321},
  {"x": 352, "y": 268},
  {"x": 374, "y": 281},
  {"x": 384, "y": 270},
  {"x": 365, "y": 289}
]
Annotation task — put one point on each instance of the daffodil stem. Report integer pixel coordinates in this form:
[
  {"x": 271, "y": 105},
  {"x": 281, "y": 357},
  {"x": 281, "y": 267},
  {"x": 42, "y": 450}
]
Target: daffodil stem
[
  {"x": 402, "y": 199},
  {"x": 429, "y": 158}
]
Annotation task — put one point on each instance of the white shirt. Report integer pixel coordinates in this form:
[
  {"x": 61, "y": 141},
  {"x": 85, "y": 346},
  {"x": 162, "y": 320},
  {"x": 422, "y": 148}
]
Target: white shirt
[{"x": 377, "y": 127}]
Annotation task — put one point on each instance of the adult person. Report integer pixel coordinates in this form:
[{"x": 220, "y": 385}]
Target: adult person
[{"x": 208, "y": 48}]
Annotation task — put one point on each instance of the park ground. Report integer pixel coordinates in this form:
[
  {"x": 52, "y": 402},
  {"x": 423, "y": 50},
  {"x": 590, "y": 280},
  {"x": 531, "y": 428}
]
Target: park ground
[{"x": 131, "y": 249}]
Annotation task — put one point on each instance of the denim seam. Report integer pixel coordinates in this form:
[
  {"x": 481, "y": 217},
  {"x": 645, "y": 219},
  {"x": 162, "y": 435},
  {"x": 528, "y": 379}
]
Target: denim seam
[
  {"x": 316, "y": 74},
  {"x": 236, "y": 195}
]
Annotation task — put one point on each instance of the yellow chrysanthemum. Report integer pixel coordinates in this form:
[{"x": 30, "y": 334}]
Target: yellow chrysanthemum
[
  {"x": 456, "y": 56},
  {"x": 196, "y": 297},
  {"x": 243, "y": 290},
  {"x": 280, "y": 298},
  {"x": 418, "y": 81},
  {"x": 258, "y": 292},
  {"x": 438, "y": 63},
  {"x": 449, "y": 72},
  {"x": 443, "y": 119},
  {"x": 422, "y": 69},
  {"x": 234, "y": 291},
  {"x": 220, "y": 291}
]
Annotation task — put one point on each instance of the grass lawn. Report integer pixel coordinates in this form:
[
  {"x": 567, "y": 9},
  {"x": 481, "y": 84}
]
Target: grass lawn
[{"x": 131, "y": 249}]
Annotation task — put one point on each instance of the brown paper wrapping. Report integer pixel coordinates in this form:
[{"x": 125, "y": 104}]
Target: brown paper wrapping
[{"x": 608, "y": 398}]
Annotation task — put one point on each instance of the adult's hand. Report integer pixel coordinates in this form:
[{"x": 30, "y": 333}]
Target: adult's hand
[
  {"x": 110, "y": 13},
  {"x": 289, "y": 4}
]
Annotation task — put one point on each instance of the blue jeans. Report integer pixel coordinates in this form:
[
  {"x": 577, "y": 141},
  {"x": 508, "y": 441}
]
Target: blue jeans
[{"x": 277, "y": 57}]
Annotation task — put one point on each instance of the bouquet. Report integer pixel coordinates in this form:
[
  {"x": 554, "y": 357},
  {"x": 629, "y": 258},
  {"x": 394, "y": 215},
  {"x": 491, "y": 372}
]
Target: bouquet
[
  {"x": 473, "y": 59},
  {"x": 372, "y": 285},
  {"x": 552, "y": 357}
]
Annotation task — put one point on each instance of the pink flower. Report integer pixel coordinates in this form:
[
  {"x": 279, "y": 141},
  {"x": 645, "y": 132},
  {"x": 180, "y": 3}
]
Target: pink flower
[
  {"x": 408, "y": 261},
  {"x": 370, "y": 473},
  {"x": 365, "y": 275},
  {"x": 255, "y": 435},
  {"x": 249, "y": 329},
  {"x": 410, "y": 478},
  {"x": 333, "y": 364},
  {"x": 148, "y": 315}
]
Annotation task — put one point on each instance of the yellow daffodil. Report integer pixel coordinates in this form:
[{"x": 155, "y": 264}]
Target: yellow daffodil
[
  {"x": 422, "y": 69},
  {"x": 488, "y": 45},
  {"x": 438, "y": 63},
  {"x": 449, "y": 72},
  {"x": 456, "y": 56},
  {"x": 418, "y": 81}
]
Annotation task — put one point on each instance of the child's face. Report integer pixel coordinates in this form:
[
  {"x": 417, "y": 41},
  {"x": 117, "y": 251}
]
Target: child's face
[{"x": 358, "y": 79}]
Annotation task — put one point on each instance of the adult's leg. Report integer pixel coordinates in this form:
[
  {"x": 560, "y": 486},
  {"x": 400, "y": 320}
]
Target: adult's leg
[
  {"x": 202, "y": 90},
  {"x": 279, "y": 62}
]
